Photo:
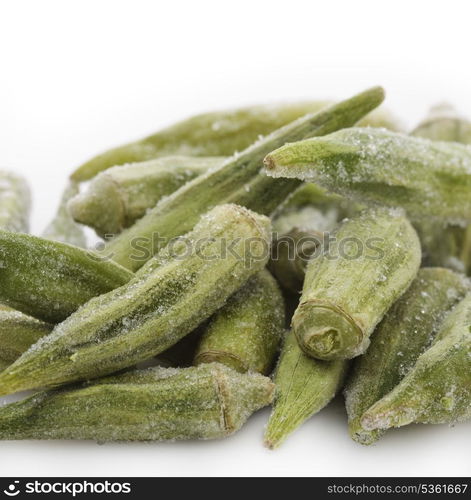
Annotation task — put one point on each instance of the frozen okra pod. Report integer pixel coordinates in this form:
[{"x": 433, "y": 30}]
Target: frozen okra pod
[
  {"x": 118, "y": 197},
  {"x": 219, "y": 133},
  {"x": 245, "y": 334},
  {"x": 238, "y": 180},
  {"x": 49, "y": 280},
  {"x": 303, "y": 387},
  {"x": 167, "y": 299},
  {"x": 369, "y": 262},
  {"x": 15, "y": 202},
  {"x": 205, "y": 402},
  {"x": 17, "y": 333},
  {"x": 426, "y": 178},
  {"x": 444, "y": 124},
  {"x": 405, "y": 333},
  {"x": 438, "y": 388}
]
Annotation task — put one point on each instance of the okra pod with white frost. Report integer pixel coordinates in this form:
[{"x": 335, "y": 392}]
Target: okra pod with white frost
[
  {"x": 444, "y": 124},
  {"x": 438, "y": 388},
  {"x": 405, "y": 333},
  {"x": 426, "y": 178},
  {"x": 245, "y": 334},
  {"x": 15, "y": 202},
  {"x": 443, "y": 244},
  {"x": 219, "y": 133},
  {"x": 49, "y": 280},
  {"x": 175, "y": 292},
  {"x": 205, "y": 402},
  {"x": 238, "y": 180},
  {"x": 118, "y": 197},
  {"x": 63, "y": 228},
  {"x": 303, "y": 387},
  {"x": 369, "y": 262},
  {"x": 17, "y": 333}
]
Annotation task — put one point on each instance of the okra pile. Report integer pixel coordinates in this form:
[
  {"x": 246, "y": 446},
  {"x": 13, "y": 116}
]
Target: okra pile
[{"x": 273, "y": 255}]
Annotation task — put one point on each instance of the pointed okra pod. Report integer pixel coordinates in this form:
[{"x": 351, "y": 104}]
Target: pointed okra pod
[
  {"x": 238, "y": 180},
  {"x": 245, "y": 334},
  {"x": 444, "y": 124},
  {"x": 118, "y": 197},
  {"x": 426, "y": 178},
  {"x": 17, "y": 333},
  {"x": 369, "y": 262},
  {"x": 303, "y": 387},
  {"x": 438, "y": 388},
  {"x": 15, "y": 202},
  {"x": 205, "y": 402},
  {"x": 219, "y": 133},
  {"x": 50, "y": 280},
  {"x": 175, "y": 292},
  {"x": 405, "y": 333},
  {"x": 63, "y": 228}
]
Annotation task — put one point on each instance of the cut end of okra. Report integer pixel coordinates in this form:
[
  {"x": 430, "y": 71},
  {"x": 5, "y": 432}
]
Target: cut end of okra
[
  {"x": 325, "y": 331},
  {"x": 103, "y": 204}
]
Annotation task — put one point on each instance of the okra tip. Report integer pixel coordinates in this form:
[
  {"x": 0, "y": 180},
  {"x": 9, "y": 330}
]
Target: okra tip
[{"x": 324, "y": 331}]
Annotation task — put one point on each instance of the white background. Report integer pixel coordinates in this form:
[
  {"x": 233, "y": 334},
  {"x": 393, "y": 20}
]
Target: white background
[{"x": 78, "y": 77}]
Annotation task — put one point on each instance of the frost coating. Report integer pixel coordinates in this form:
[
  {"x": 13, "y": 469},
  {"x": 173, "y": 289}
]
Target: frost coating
[
  {"x": 220, "y": 133},
  {"x": 166, "y": 300},
  {"x": 118, "y": 197},
  {"x": 157, "y": 404},
  {"x": 438, "y": 388},
  {"x": 405, "y": 333},
  {"x": 370, "y": 263},
  {"x": 49, "y": 280},
  {"x": 62, "y": 227},
  {"x": 303, "y": 387},
  {"x": 15, "y": 202},
  {"x": 245, "y": 334},
  {"x": 238, "y": 180},
  {"x": 426, "y": 178}
]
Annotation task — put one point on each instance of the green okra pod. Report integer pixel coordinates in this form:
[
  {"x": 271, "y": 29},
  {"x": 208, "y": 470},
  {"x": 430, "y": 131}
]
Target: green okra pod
[
  {"x": 369, "y": 262},
  {"x": 443, "y": 244},
  {"x": 15, "y": 202},
  {"x": 49, "y": 280},
  {"x": 444, "y": 124},
  {"x": 238, "y": 180},
  {"x": 405, "y": 333},
  {"x": 63, "y": 228},
  {"x": 246, "y": 333},
  {"x": 156, "y": 404},
  {"x": 17, "y": 333},
  {"x": 438, "y": 388},
  {"x": 118, "y": 197},
  {"x": 426, "y": 178},
  {"x": 175, "y": 292},
  {"x": 219, "y": 133},
  {"x": 303, "y": 387}
]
